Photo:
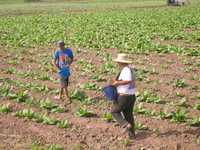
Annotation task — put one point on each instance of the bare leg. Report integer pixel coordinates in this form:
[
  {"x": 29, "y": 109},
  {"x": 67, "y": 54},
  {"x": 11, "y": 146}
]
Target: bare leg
[
  {"x": 67, "y": 94},
  {"x": 61, "y": 93}
]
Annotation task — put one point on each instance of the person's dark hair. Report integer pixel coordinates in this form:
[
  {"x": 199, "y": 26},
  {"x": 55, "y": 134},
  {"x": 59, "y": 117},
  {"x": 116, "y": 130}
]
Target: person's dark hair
[{"x": 61, "y": 43}]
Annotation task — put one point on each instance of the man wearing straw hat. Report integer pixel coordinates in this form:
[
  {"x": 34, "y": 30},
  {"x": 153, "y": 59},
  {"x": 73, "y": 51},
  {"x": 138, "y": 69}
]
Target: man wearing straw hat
[{"x": 125, "y": 84}]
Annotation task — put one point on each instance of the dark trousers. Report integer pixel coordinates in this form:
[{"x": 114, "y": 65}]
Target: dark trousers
[{"x": 124, "y": 105}]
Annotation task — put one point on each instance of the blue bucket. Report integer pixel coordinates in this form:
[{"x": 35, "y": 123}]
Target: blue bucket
[{"x": 110, "y": 92}]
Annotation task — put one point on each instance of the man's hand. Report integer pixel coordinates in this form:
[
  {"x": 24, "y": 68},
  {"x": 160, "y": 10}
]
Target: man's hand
[
  {"x": 57, "y": 66},
  {"x": 115, "y": 83}
]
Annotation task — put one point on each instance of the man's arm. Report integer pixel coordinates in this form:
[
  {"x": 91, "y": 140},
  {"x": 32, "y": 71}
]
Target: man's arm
[
  {"x": 127, "y": 78},
  {"x": 56, "y": 64},
  {"x": 71, "y": 56},
  {"x": 71, "y": 60},
  {"x": 117, "y": 83},
  {"x": 55, "y": 60}
]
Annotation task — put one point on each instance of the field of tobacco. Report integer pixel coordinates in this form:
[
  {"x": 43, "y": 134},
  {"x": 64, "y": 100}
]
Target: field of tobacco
[{"x": 163, "y": 42}]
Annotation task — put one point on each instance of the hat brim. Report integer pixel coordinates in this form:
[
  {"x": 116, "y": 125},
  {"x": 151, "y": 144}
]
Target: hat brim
[{"x": 122, "y": 61}]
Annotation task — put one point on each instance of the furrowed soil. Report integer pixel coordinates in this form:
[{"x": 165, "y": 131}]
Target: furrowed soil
[{"x": 160, "y": 73}]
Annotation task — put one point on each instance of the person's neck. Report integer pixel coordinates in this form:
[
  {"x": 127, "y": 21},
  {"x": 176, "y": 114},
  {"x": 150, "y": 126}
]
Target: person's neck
[{"x": 124, "y": 66}]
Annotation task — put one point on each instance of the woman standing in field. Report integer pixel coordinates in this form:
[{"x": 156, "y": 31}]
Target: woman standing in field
[{"x": 125, "y": 84}]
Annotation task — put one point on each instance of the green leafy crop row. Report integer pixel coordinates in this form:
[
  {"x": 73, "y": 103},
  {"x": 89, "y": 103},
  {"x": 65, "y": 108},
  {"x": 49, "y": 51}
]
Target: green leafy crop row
[
  {"x": 23, "y": 97},
  {"x": 177, "y": 116},
  {"x": 39, "y": 118},
  {"x": 132, "y": 31}
]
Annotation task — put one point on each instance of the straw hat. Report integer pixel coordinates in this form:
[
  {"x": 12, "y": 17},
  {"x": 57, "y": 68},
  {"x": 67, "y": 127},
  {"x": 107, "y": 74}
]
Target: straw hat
[{"x": 123, "y": 58}]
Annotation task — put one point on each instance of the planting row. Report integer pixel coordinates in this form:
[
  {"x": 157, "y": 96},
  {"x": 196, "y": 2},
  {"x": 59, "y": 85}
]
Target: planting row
[
  {"x": 23, "y": 97},
  {"x": 35, "y": 116}
]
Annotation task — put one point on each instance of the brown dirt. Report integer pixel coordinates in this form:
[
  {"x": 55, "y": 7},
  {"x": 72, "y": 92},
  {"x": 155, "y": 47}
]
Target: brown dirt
[{"x": 94, "y": 132}]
